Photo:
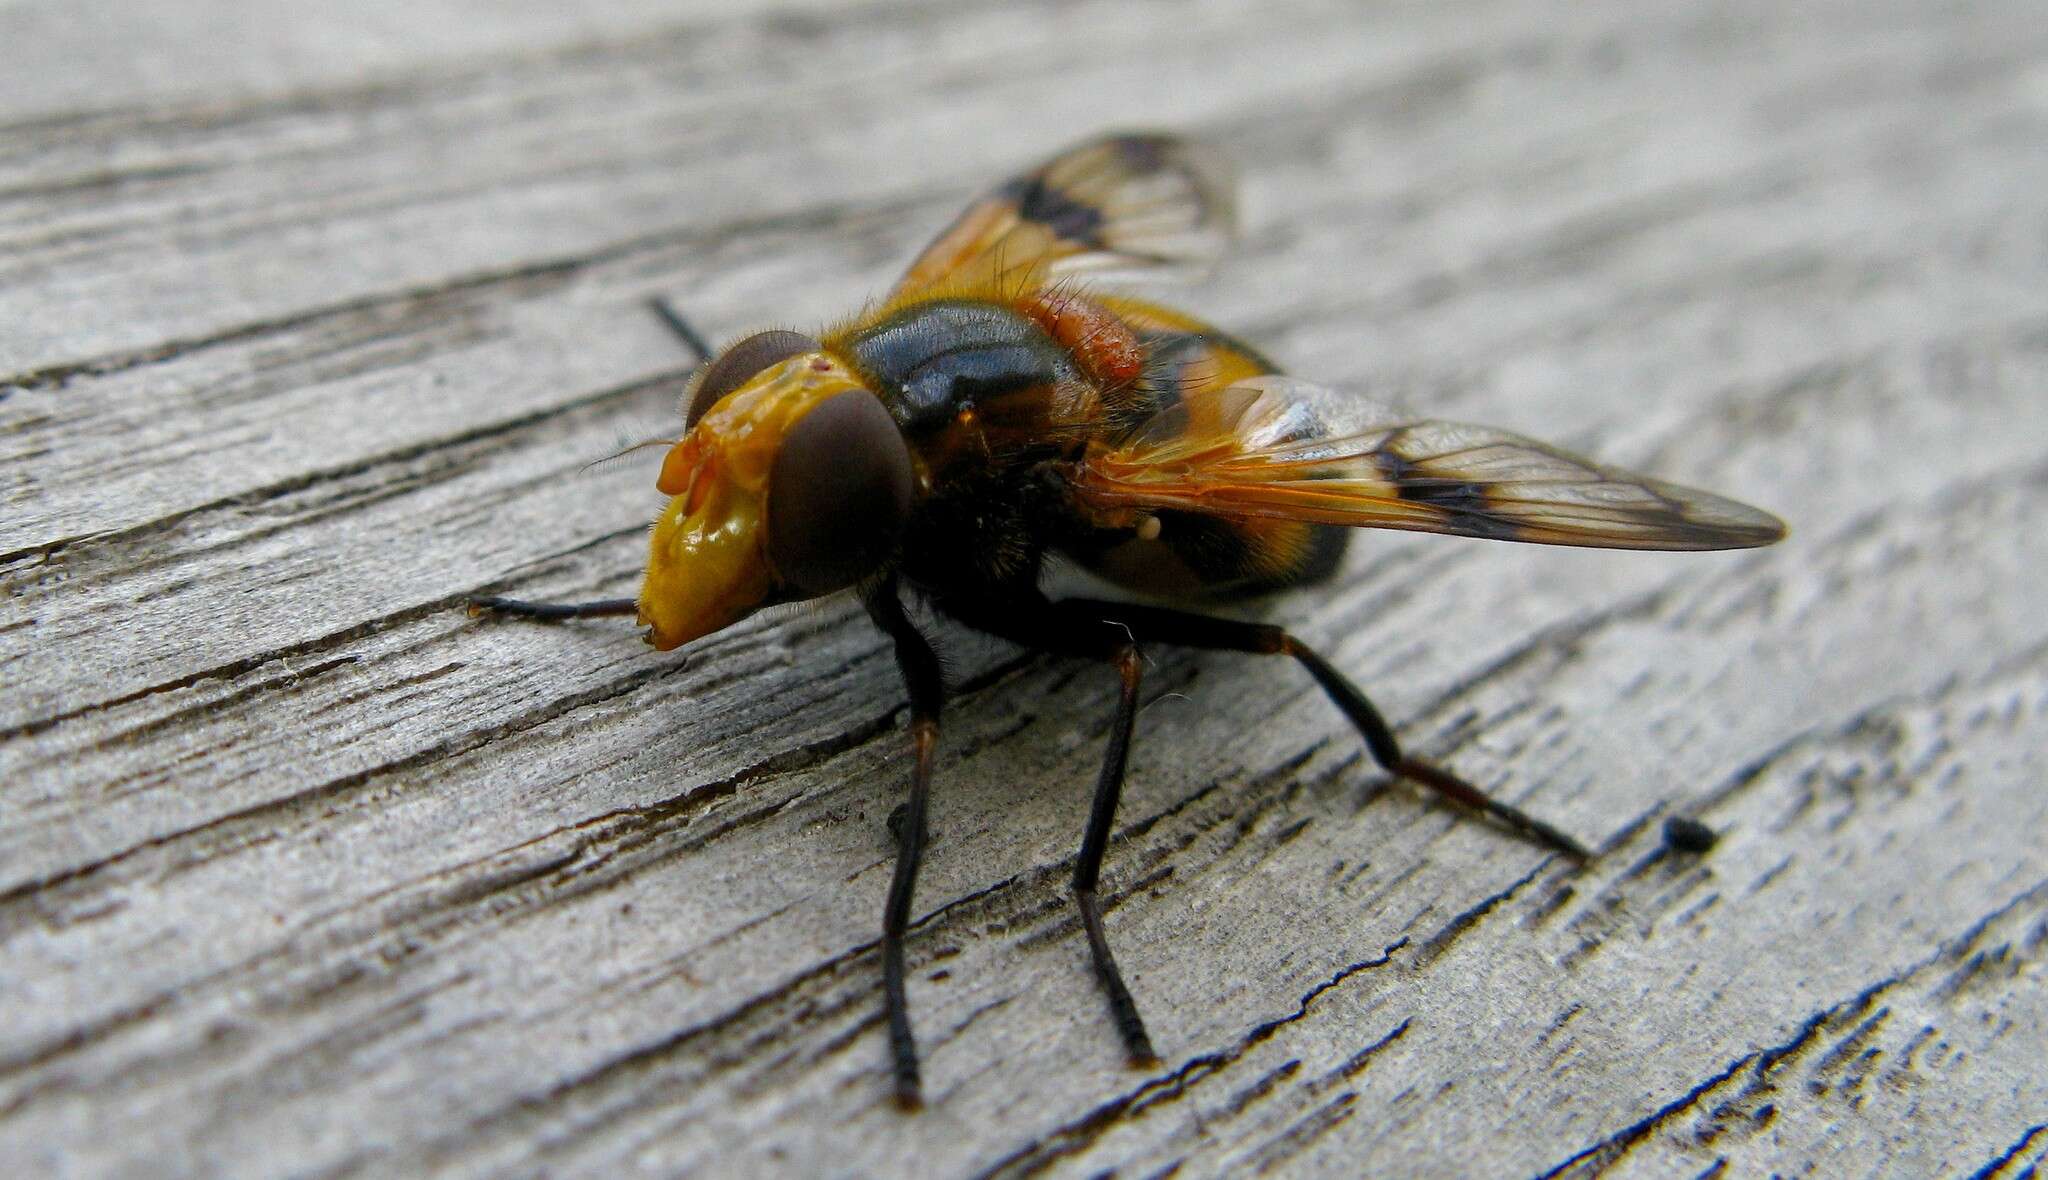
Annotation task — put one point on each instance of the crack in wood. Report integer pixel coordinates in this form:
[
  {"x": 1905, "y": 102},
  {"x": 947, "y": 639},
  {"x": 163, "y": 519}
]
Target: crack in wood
[
  {"x": 1760, "y": 1064},
  {"x": 1995, "y": 1167},
  {"x": 1075, "y": 1137}
]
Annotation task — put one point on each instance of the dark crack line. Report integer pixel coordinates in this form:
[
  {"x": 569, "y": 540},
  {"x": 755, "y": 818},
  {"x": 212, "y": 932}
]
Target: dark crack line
[
  {"x": 234, "y": 668},
  {"x": 1303, "y": 1132},
  {"x": 1866, "y": 719},
  {"x": 1356, "y": 1063},
  {"x": 1600, "y": 1156},
  {"x": 1078, "y": 1135},
  {"x": 230, "y": 669},
  {"x": 1992, "y": 1169}
]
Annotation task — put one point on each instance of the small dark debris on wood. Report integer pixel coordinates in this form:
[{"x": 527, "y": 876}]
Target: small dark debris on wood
[{"x": 1684, "y": 834}]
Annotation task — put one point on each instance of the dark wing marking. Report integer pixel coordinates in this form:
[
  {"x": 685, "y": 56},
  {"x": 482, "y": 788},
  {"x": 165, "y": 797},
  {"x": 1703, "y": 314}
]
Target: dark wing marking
[
  {"x": 1136, "y": 204},
  {"x": 1280, "y": 448}
]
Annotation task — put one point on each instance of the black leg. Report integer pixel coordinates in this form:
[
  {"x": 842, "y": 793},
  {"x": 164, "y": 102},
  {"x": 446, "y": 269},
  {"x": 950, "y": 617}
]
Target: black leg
[
  {"x": 921, "y": 675},
  {"x": 1165, "y": 625},
  {"x": 1088, "y": 868},
  {"x": 1037, "y": 623},
  {"x": 682, "y": 328},
  {"x": 608, "y": 606},
  {"x": 554, "y": 610}
]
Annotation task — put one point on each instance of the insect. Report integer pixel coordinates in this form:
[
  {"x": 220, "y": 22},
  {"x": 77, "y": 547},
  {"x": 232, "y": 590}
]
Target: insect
[{"x": 995, "y": 414}]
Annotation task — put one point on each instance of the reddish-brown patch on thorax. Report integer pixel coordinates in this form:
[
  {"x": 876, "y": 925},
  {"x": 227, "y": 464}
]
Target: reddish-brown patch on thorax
[{"x": 1098, "y": 338}]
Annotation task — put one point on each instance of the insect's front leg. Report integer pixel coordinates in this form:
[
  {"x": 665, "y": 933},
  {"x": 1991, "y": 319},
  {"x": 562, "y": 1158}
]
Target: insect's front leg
[
  {"x": 553, "y": 611},
  {"x": 692, "y": 340},
  {"x": 921, "y": 675}
]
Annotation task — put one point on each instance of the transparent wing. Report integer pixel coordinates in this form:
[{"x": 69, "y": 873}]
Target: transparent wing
[
  {"x": 1138, "y": 205},
  {"x": 1277, "y": 447}
]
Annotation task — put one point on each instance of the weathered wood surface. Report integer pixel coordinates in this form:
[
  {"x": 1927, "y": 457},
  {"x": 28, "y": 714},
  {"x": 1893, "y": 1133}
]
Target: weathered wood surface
[{"x": 312, "y": 319}]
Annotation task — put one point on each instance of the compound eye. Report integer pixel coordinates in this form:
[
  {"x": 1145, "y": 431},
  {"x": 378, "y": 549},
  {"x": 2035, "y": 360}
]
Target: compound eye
[
  {"x": 838, "y": 494},
  {"x": 739, "y": 364}
]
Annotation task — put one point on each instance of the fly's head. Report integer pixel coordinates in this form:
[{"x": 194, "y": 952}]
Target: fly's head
[{"x": 793, "y": 482}]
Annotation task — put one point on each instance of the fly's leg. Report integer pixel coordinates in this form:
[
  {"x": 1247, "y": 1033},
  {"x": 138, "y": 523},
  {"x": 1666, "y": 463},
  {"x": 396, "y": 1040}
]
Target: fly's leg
[
  {"x": 1109, "y": 788},
  {"x": 921, "y": 675},
  {"x": 1186, "y": 629},
  {"x": 684, "y": 330},
  {"x": 554, "y": 611},
  {"x": 1034, "y": 622}
]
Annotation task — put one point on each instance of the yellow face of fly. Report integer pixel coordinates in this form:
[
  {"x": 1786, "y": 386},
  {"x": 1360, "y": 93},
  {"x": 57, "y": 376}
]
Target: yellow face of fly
[{"x": 708, "y": 567}]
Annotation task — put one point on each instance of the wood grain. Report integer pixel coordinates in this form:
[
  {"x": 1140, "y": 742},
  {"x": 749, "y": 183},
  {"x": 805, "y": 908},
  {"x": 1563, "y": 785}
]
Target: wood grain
[{"x": 313, "y": 320}]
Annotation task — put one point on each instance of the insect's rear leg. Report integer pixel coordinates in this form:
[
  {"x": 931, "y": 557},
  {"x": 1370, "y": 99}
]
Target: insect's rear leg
[{"x": 1186, "y": 629}]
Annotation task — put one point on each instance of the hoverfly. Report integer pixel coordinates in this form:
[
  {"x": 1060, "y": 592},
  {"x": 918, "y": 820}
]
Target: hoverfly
[{"x": 994, "y": 414}]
